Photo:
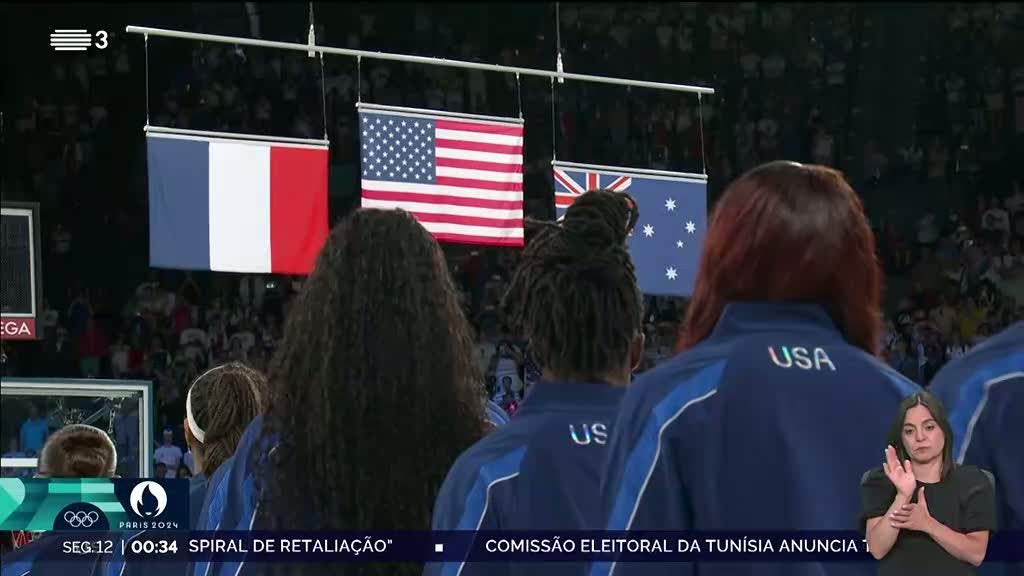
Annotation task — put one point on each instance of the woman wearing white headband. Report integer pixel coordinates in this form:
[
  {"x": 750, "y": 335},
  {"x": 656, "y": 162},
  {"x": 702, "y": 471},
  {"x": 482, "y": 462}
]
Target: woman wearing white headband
[{"x": 219, "y": 405}]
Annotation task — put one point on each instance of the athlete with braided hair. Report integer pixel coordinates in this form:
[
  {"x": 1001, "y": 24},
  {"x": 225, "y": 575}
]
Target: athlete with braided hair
[
  {"x": 575, "y": 298},
  {"x": 219, "y": 405}
]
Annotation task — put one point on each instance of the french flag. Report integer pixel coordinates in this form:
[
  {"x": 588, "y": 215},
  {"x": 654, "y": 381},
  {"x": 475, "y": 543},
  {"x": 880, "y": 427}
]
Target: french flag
[{"x": 235, "y": 205}]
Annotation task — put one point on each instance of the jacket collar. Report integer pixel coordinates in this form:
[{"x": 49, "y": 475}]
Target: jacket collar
[
  {"x": 550, "y": 394},
  {"x": 747, "y": 317}
]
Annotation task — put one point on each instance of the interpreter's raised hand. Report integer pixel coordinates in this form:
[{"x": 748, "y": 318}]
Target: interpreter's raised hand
[{"x": 901, "y": 475}]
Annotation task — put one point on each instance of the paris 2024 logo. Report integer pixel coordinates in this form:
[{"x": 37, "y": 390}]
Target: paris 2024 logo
[{"x": 148, "y": 500}]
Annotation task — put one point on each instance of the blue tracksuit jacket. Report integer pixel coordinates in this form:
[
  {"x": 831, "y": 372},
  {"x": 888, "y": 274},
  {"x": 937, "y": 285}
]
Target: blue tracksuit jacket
[
  {"x": 983, "y": 392},
  {"x": 768, "y": 424},
  {"x": 540, "y": 471}
]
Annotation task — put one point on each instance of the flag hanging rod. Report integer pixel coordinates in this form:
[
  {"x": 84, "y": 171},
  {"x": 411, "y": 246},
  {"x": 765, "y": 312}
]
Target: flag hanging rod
[
  {"x": 629, "y": 171},
  {"x": 419, "y": 113},
  {"x": 186, "y": 133},
  {"x": 430, "y": 61}
]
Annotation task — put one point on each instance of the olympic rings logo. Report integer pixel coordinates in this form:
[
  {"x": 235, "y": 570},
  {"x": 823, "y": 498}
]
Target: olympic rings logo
[{"x": 81, "y": 519}]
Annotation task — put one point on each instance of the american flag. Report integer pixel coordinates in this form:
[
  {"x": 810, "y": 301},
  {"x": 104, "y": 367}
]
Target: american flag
[
  {"x": 666, "y": 242},
  {"x": 461, "y": 178}
]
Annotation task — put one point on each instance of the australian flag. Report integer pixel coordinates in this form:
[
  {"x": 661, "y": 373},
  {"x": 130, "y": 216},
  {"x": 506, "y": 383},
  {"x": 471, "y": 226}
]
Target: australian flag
[{"x": 666, "y": 242}]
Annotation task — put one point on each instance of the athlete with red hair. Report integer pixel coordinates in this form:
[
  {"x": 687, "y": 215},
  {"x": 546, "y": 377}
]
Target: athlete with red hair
[{"x": 775, "y": 404}]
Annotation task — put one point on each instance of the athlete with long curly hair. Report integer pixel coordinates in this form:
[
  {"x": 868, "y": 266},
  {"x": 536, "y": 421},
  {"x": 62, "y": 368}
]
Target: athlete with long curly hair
[{"x": 374, "y": 392}]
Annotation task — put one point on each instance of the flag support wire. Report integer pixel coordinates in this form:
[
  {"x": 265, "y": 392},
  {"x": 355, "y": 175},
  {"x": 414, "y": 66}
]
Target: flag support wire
[{"x": 430, "y": 61}]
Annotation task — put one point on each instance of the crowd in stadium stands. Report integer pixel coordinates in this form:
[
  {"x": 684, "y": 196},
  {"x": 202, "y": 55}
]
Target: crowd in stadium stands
[
  {"x": 788, "y": 78},
  {"x": 965, "y": 287}
]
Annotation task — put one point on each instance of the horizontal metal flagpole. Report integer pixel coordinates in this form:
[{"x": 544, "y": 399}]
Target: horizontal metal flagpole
[
  {"x": 430, "y": 61},
  {"x": 431, "y": 113},
  {"x": 193, "y": 134},
  {"x": 622, "y": 171}
]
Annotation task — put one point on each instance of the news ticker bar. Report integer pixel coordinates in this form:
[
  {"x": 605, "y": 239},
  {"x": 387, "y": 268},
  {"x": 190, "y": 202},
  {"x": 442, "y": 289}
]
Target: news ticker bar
[{"x": 485, "y": 546}]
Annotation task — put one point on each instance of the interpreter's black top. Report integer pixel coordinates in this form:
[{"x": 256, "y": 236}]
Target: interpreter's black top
[{"x": 963, "y": 501}]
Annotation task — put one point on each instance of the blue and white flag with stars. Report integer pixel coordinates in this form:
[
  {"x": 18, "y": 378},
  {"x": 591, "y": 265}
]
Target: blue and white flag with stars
[{"x": 666, "y": 242}]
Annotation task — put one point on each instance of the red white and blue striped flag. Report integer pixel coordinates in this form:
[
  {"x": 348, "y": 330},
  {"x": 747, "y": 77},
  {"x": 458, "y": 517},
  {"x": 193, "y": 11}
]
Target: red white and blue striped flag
[
  {"x": 461, "y": 177},
  {"x": 235, "y": 205}
]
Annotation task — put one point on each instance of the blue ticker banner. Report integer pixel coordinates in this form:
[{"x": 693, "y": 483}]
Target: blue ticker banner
[{"x": 488, "y": 546}]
